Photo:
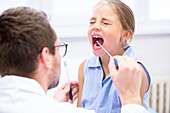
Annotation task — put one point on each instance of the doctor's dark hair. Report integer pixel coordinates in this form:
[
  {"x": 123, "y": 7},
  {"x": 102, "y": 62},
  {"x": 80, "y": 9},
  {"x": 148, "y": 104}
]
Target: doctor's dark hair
[{"x": 24, "y": 32}]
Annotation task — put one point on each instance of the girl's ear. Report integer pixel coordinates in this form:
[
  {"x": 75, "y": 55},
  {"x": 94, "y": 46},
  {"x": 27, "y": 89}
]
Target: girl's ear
[{"x": 126, "y": 35}]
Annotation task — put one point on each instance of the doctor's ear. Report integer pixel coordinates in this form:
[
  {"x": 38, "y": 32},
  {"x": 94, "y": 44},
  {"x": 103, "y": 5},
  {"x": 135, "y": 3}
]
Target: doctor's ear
[
  {"x": 44, "y": 57},
  {"x": 126, "y": 35}
]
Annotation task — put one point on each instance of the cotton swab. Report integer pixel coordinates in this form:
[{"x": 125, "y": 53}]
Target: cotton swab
[{"x": 115, "y": 61}]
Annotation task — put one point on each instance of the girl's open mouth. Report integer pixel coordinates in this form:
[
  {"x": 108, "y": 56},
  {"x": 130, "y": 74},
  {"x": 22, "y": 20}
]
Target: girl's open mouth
[{"x": 97, "y": 38}]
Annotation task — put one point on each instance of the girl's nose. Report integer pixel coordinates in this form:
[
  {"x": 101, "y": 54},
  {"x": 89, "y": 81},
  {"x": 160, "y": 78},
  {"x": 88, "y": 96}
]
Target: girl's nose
[{"x": 96, "y": 27}]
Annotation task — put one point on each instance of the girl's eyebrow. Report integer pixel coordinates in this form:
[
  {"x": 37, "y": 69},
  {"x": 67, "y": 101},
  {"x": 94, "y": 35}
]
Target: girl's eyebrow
[
  {"x": 93, "y": 18},
  {"x": 107, "y": 19}
]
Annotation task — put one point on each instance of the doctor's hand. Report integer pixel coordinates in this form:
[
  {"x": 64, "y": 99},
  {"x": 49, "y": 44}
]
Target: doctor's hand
[
  {"x": 127, "y": 79},
  {"x": 62, "y": 93}
]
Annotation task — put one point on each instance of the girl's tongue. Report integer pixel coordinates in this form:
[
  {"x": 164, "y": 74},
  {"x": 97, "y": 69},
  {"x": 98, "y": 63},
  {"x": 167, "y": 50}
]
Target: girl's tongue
[{"x": 100, "y": 40}]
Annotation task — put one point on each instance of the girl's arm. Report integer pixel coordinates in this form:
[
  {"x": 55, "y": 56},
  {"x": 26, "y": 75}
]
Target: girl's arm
[
  {"x": 81, "y": 82},
  {"x": 144, "y": 84}
]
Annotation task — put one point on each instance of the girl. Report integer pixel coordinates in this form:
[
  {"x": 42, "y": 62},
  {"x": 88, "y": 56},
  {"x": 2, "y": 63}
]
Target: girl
[{"x": 112, "y": 25}]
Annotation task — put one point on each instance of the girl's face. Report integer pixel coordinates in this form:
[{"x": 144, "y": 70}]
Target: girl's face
[{"x": 106, "y": 29}]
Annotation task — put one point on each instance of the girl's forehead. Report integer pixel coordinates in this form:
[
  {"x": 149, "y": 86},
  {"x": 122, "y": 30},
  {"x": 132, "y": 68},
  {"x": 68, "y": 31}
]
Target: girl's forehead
[
  {"x": 105, "y": 3},
  {"x": 105, "y": 6},
  {"x": 100, "y": 11}
]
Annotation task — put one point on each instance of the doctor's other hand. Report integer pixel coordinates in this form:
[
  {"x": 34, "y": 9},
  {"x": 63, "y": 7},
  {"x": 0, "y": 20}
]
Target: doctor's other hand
[
  {"x": 62, "y": 93},
  {"x": 127, "y": 79}
]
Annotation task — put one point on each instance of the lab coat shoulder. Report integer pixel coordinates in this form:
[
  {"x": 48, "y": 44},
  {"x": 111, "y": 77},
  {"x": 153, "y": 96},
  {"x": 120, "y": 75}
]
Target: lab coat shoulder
[{"x": 133, "y": 108}]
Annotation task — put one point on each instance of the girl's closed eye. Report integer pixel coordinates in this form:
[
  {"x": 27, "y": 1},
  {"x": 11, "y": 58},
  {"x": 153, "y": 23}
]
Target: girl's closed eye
[
  {"x": 106, "y": 23},
  {"x": 92, "y": 22}
]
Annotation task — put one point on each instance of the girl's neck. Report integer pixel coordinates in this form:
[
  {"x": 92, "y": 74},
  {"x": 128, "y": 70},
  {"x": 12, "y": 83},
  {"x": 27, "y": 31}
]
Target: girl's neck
[{"x": 104, "y": 63}]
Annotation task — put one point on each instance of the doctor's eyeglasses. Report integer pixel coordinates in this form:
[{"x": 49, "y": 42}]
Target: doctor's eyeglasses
[{"x": 62, "y": 48}]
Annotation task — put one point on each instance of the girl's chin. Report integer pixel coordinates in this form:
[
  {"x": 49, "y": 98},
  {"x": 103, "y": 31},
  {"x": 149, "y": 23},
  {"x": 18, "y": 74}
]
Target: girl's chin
[
  {"x": 100, "y": 53},
  {"x": 96, "y": 53}
]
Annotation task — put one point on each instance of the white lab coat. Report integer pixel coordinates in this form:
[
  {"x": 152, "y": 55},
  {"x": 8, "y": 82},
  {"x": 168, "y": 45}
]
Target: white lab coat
[{"x": 24, "y": 95}]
